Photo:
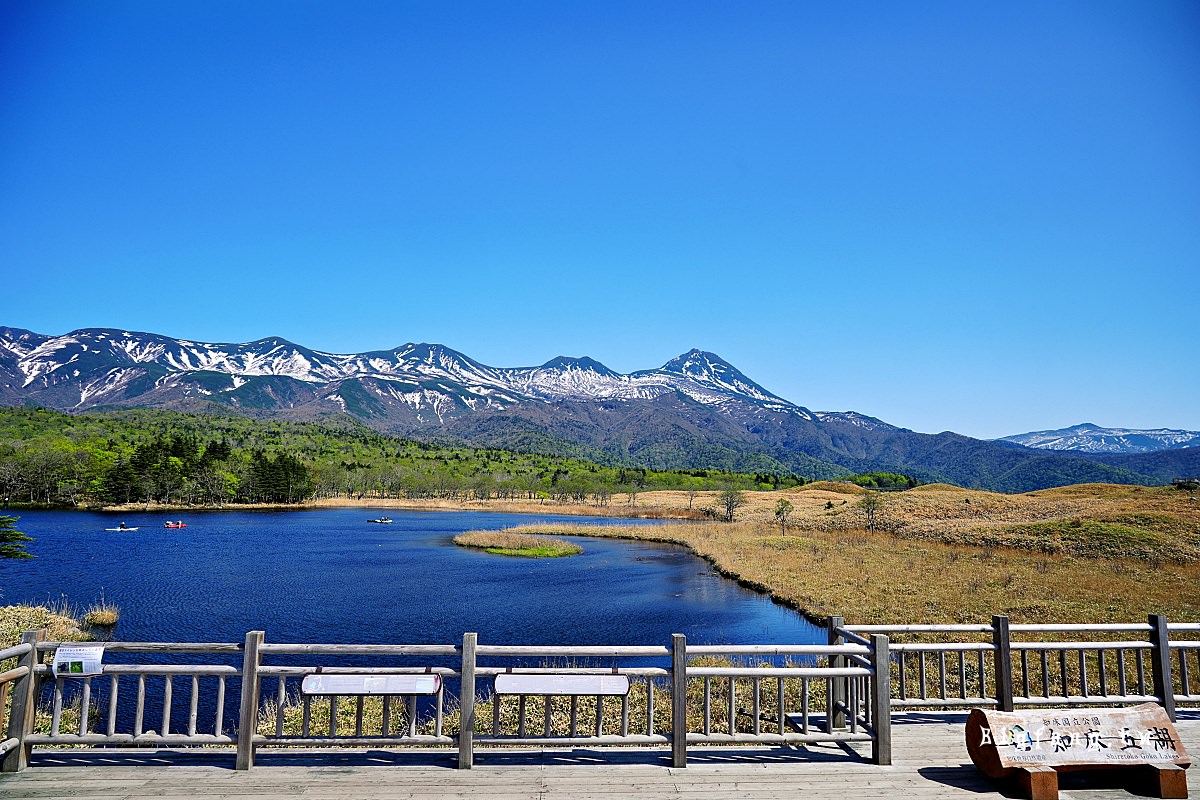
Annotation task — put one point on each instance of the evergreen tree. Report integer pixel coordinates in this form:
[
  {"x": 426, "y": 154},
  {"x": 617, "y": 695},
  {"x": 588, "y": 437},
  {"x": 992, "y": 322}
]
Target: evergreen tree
[{"x": 12, "y": 541}]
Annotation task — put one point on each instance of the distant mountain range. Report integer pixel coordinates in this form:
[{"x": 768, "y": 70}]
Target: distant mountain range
[
  {"x": 1091, "y": 438},
  {"x": 695, "y": 411}
]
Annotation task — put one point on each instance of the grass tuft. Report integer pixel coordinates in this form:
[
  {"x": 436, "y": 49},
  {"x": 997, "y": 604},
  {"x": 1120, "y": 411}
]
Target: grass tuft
[{"x": 102, "y": 614}]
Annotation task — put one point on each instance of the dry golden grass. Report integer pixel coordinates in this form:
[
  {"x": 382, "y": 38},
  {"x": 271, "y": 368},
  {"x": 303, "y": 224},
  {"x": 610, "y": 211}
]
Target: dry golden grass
[
  {"x": 102, "y": 615},
  {"x": 60, "y": 622},
  {"x": 511, "y": 543},
  {"x": 882, "y": 578}
]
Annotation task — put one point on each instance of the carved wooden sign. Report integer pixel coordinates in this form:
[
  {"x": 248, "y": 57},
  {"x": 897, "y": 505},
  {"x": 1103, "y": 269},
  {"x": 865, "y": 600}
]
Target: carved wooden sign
[
  {"x": 350, "y": 684},
  {"x": 1000, "y": 742}
]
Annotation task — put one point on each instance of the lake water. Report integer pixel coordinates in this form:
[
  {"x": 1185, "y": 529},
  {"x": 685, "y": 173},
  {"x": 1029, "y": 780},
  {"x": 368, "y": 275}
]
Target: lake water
[{"x": 330, "y": 576}]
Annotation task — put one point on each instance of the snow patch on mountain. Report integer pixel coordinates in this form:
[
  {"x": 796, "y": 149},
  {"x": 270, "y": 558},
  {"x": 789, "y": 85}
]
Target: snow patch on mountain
[
  {"x": 112, "y": 381},
  {"x": 1091, "y": 438}
]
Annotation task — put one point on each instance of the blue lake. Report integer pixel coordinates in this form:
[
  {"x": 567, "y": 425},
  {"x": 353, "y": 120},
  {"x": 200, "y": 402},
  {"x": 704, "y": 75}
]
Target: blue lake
[{"x": 330, "y": 576}]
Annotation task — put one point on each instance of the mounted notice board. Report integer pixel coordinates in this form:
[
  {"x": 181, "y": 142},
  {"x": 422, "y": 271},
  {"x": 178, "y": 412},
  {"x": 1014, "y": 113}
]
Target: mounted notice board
[
  {"x": 373, "y": 684},
  {"x": 561, "y": 684},
  {"x": 78, "y": 660}
]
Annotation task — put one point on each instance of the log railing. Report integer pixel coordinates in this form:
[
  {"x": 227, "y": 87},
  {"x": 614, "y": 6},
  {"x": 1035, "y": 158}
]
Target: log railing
[
  {"x": 1005, "y": 665},
  {"x": 248, "y": 693},
  {"x": 16, "y": 707},
  {"x": 769, "y": 694}
]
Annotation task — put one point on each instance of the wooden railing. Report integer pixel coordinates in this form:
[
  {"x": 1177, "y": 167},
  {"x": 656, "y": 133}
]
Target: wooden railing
[
  {"x": 1006, "y": 665},
  {"x": 842, "y": 691},
  {"x": 15, "y": 707},
  {"x": 188, "y": 704}
]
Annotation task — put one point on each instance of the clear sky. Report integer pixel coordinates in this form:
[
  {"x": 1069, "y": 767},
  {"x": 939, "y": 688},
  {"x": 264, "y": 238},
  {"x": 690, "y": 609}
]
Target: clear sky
[{"x": 971, "y": 216}]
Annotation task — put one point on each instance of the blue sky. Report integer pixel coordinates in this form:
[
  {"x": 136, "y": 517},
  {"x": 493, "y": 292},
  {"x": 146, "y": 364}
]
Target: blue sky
[{"x": 981, "y": 217}]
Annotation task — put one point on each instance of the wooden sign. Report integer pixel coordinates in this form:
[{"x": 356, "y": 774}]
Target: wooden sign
[
  {"x": 532, "y": 683},
  {"x": 351, "y": 684},
  {"x": 1033, "y": 746},
  {"x": 1001, "y": 741}
]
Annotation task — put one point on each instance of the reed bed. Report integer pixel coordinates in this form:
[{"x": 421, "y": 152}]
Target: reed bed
[{"x": 880, "y": 577}]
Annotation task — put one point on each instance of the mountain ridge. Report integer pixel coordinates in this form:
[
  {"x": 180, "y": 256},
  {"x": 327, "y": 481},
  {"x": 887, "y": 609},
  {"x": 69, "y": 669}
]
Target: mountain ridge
[
  {"x": 697, "y": 410},
  {"x": 1089, "y": 437}
]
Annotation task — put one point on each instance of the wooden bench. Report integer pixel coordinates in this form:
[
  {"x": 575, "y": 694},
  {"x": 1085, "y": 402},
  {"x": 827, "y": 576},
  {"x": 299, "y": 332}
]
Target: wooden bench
[{"x": 1033, "y": 746}]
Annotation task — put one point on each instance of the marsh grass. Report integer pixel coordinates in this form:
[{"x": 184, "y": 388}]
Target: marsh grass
[
  {"x": 510, "y": 543},
  {"x": 882, "y": 577},
  {"x": 102, "y": 614},
  {"x": 59, "y": 619}
]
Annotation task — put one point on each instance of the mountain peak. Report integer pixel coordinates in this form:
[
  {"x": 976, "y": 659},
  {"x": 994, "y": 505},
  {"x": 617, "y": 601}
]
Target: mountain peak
[
  {"x": 696, "y": 363},
  {"x": 584, "y": 363},
  {"x": 713, "y": 372}
]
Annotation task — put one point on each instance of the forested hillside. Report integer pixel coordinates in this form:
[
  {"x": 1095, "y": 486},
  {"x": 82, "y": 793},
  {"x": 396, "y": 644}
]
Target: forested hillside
[{"x": 49, "y": 458}]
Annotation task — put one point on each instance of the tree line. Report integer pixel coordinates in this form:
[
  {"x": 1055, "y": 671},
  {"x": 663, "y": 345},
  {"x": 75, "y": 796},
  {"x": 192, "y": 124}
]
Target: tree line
[{"x": 146, "y": 456}]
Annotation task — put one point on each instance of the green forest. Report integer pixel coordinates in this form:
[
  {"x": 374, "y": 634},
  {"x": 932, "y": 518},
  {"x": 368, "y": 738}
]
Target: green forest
[{"x": 50, "y": 459}]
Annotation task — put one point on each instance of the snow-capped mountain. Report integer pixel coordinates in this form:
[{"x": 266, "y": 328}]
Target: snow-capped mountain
[
  {"x": 695, "y": 411},
  {"x": 96, "y": 366},
  {"x": 1091, "y": 438}
]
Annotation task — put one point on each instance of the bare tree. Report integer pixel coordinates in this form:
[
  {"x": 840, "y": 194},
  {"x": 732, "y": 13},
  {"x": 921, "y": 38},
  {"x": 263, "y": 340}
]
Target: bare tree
[{"x": 729, "y": 501}]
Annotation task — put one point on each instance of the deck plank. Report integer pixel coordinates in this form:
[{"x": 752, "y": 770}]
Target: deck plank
[{"x": 930, "y": 762}]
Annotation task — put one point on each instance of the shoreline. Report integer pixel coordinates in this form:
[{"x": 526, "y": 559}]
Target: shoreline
[
  {"x": 942, "y": 553},
  {"x": 529, "y": 507}
]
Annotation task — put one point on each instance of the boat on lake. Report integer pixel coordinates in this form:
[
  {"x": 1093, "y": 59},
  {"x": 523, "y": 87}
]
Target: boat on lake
[
  {"x": 174, "y": 524},
  {"x": 122, "y": 527},
  {"x": 382, "y": 521}
]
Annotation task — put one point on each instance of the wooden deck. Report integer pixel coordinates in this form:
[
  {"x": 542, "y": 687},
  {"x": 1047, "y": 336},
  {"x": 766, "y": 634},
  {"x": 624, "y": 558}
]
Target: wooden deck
[{"x": 929, "y": 754}]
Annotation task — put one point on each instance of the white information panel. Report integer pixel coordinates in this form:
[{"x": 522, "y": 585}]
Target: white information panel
[
  {"x": 78, "y": 660},
  {"x": 335, "y": 684},
  {"x": 531, "y": 683}
]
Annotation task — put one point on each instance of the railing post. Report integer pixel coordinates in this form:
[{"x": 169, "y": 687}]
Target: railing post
[
  {"x": 24, "y": 705},
  {"x": 1003, "y": 663},
  {"x": 248, "y": 724},
  {"x": 466, "y": 731},
  {"x": 679, "y": 700},
  {"x": 881, "y": 700},
  {"x": 1164, "y": 682},
  {"x": 835, "y": 716}
]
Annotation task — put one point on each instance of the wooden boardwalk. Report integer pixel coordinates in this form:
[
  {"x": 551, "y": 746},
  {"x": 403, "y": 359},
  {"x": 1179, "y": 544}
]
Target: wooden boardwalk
[{"x": 929, "y": 754}]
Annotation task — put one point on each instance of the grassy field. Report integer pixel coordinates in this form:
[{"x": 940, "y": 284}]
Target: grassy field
[{"x": 943, "y": 554}]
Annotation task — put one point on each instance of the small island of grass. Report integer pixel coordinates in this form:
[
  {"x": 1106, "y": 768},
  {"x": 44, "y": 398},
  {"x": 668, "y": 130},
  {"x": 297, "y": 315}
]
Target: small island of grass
[{"x": 507, "y": 543}]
